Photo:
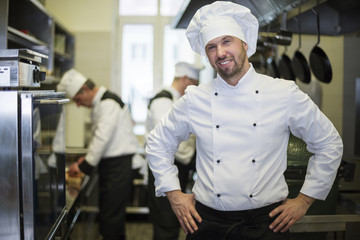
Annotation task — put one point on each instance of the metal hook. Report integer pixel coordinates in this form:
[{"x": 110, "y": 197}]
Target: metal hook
[
  {"x": 299, "y": 28},
  {"x": 317, "y": 23}
]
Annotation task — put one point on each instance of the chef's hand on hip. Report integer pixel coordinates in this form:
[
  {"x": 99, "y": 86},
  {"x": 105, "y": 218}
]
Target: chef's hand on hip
[
  {"x": 183, "y": 206},
  {"x": 289, "y": 212}
]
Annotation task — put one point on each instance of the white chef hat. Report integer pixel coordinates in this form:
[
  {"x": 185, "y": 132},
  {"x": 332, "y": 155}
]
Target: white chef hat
[
  {"x": 222, "y": 18},
  {"x": 186, "y": 69},
  {"x": 71, "y": 82}
]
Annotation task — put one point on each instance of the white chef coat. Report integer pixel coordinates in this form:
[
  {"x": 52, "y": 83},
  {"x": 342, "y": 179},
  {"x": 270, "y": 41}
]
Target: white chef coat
[
  {"x": 111, "y": 126},
  {"x": 242, "y": 135},
  {"x": 158, "y": 109}
]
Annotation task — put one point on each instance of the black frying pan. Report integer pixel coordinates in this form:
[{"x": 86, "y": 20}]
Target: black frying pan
[
  {"x": 319, "y": 62},
  {"x": 273, "y": 68},
  {"x": 285, "y": 68},
  {"x": 300, "y": 65}
]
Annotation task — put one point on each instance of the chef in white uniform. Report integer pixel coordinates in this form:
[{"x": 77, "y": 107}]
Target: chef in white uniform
[
  {"x": 110, "y": 151},
  {"x": 242, "y": 121},
  {"x": 165, "y": 223}
]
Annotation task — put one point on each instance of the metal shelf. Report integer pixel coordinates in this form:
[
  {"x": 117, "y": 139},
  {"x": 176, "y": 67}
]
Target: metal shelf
[
  {"x": 28, "y": 24},
  {"x": 129, "y": 210},
  {"x": 137, "y": 210},
  {"x": 324, "y": 223},
  {"x": 23, "y": 39}
]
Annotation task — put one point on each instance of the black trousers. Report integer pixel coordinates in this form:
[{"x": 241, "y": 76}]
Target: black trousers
[
  {"x": 115, "y": 183},
  {"x": 165, "y": 224},
  {"x": 236, "y": 225}
]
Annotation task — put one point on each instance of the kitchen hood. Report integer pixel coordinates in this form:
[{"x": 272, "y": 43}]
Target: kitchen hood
[{"x": 336, "y": 17}]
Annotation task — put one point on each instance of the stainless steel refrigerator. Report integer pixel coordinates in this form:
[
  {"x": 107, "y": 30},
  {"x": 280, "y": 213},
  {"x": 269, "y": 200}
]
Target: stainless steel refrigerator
[{"x": 32, "y": 175}]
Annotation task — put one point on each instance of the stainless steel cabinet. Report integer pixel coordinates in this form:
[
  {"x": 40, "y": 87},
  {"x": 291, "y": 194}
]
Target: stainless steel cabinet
[{"x": 32, "y": 185}]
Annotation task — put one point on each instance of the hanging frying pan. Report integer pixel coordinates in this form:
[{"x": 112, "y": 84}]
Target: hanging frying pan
[
  {"x": 301, "y": 67},
  {"x": 319, "y": 62},
  {"x": 285, "y": 68},
  {"x": 272, "y": 68},
  {"x": 300, "y": 64}
]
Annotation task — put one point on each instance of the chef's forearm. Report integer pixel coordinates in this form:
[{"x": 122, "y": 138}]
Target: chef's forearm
[{"x": 86, "y": 168}]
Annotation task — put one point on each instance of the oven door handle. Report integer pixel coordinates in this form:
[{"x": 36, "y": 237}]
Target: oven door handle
[
  {"x": 61, "y": 220},
  {"x": 53, "y": 101}
]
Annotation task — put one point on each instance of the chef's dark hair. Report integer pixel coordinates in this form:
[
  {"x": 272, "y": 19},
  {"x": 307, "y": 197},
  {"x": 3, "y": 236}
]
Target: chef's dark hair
[{"x": 90, "y": 83}]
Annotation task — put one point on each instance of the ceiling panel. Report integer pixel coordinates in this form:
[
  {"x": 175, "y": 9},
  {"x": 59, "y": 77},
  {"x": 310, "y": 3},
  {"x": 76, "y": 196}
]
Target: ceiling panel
[{"x": 336, "y": 16}]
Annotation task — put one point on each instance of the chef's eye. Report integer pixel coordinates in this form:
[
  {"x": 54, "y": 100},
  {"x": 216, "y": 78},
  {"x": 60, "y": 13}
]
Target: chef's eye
[{"x": 210, "y": 47}]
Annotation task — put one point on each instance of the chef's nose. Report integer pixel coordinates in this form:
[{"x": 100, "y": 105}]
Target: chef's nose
[{"x": 220, "y": 51}]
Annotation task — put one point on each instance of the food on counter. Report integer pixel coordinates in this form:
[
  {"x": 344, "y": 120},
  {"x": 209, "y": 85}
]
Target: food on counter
[{"x": 74, "y": 181}]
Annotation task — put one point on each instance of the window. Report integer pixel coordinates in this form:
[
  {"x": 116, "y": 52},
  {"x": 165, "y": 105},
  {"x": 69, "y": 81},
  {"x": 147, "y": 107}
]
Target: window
[
  {"x": 137, "y": 67},
  {"x": 149, "y": 7},
  {"x": 148, "y": 51},
  {"x": 170, "y": 7},
  {"x": 138, "y": 7},
  {"x": 176, "y": 48}
]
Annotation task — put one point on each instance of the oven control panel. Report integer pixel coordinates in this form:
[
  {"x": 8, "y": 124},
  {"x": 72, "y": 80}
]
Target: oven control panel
[{"x": 20, "y": 68}]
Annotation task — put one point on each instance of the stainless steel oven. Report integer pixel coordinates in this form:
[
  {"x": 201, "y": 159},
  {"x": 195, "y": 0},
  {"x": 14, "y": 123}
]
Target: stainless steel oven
[{"x": 32, "y": 176}]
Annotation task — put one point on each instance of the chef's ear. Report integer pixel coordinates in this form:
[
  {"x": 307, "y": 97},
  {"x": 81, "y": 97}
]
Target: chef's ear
[
  {"x": 246, "y": 46},
  {"x": 85, "y": 88}
]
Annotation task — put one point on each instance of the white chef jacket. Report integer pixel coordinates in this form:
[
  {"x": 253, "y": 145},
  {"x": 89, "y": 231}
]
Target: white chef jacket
[
  {"x": 111, "y": 127},
  {"x": 158, "y": 109},
  {"x": 242, "y": 135}
]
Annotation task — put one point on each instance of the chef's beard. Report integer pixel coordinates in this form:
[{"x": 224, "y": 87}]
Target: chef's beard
[{"x": 237, "y": 68}]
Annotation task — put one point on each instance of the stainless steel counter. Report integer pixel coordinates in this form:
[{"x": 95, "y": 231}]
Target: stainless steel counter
[
  {"x": 346, "y": 219},
  {"x": 325, "y": 223}
]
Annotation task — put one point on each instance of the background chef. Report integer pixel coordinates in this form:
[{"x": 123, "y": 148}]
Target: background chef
[{"x": 110, "y": 151}]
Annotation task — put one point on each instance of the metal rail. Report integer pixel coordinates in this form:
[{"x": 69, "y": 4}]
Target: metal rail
[{"x": 325, "y": 223}]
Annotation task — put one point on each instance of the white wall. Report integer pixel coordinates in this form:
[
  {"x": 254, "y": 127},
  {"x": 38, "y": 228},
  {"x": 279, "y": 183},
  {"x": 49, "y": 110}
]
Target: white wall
[
  {"x": 91, "y": 23},
  {"x": 93, "y": 56},
  {"x": 83, "y": 15}
]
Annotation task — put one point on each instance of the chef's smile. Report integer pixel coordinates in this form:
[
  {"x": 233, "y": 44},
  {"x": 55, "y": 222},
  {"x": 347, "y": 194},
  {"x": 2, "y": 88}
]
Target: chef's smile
[
  {"x": 225, "y": 62},
  {"x": 225, "y": 65}
]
